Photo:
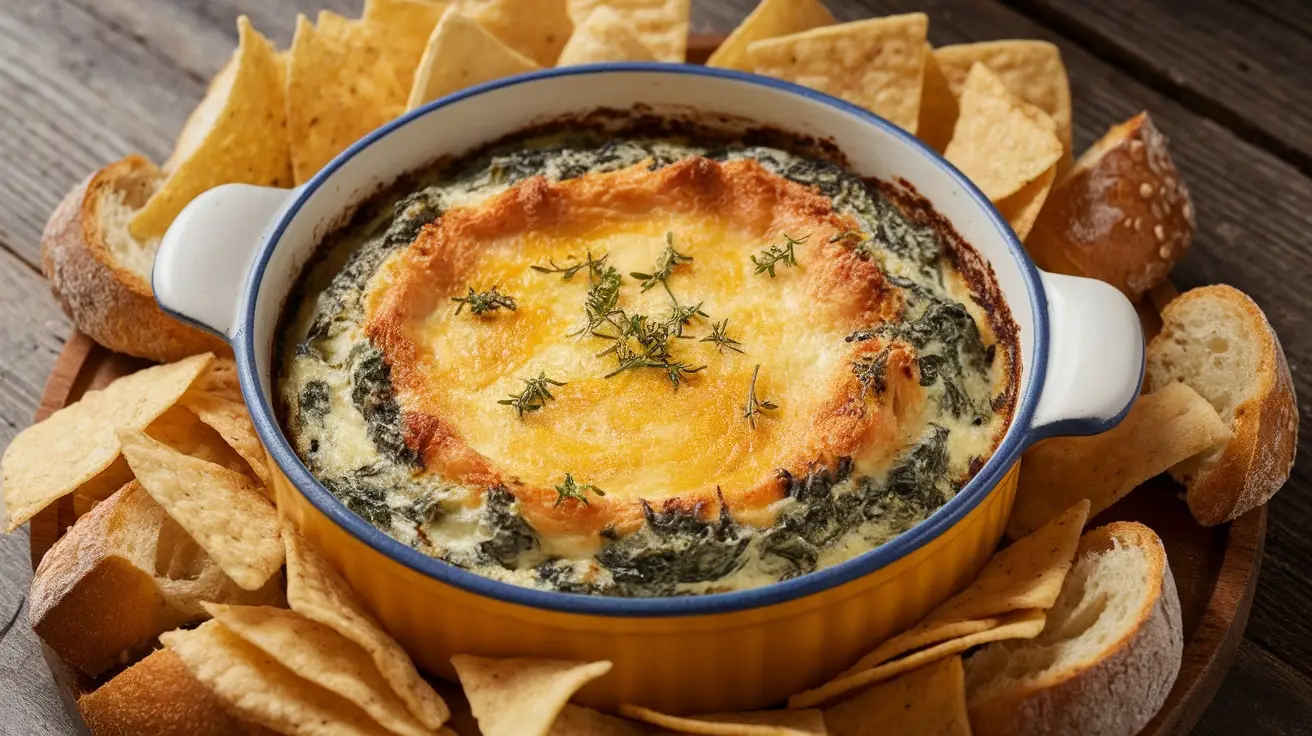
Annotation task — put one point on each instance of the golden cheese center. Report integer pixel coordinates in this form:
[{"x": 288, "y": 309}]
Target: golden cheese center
[{"x": 634, "y": 434}]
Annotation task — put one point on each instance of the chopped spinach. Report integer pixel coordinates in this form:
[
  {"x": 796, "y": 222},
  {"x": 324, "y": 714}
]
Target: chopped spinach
[
  {"x": 675, "y": 546},
  {"x": 372, "y": 395},
  {"x": 819, "y": 518},
  {"x": 314, "y": 402},
  {"x": 511, "y": 536}
]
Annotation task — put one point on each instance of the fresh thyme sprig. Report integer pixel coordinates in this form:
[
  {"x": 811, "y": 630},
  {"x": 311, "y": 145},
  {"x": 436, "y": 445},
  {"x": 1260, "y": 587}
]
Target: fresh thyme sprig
[
  {"x": 573, "y": 489},
  {"x": 719, "y": 336},
  {"x": 680, "y": 316},
  {"x": 536, "y": 394},
  {"x": 480, "y": 302},
  {"x": 776, "y": 254},
  {"x": 567, "y": 272},
  {"x": 664, "y": 267},
  {"x": 640, "y": 342},
  {"x": 603, "y": 296},
  {"x": 756, "y": 406}
]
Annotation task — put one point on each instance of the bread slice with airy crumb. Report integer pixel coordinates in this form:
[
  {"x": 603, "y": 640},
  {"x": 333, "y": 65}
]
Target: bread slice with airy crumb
[
  {"x": 158, "y": 696},
  {"x": 1217, "y": 341},
  {"x": 1108, "y": 654},
  {"x": 101, "y": 275},
  {"x": 121, "y": 576}
]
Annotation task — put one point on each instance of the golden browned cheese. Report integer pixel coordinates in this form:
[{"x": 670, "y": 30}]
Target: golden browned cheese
[{"x": 634, "y": 434}]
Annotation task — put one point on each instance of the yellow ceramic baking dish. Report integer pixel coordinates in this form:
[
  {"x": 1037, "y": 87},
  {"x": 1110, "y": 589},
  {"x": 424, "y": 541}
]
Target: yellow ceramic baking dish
[{"x": 232, "y": 257}]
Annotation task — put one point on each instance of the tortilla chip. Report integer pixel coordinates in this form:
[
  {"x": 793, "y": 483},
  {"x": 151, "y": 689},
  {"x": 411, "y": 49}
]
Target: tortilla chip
[
  {"x": 578, "y": 721},
  {"x": 406, "y": 24},
  {"x": 1018, "y": 625},
  {"x": 661, "y": 25},
  {"x": 540, "y": 39},
  {"x": 1026, "y": 575},
  {"x": 930, "y": 701},
  {"x": 253, "y": 685},
  {"x": 101, "y": 487},
  {"x": 770, "y": 19},
  {"x": 320, "y": 655},
  {"x": 220, "y": 379},
  {"x": 461, "y": 54},
  {"x": 71, "y": 447},
  {"x": 1032, "y": 70},
  {"x": 222, "y": 510},
  {"x": 233, "y": 423},
  {"x": 1162, "y": 429},
  {"x": 878, "y": 64},
  {"x": 757, "y": 723},
  {"x": 316, "y": 591},
  {"x": 341, "y": 84},
  {"x": 1000, "y": 143},
  {"x": 521, "y": 697},
  {"x": 1022, "y": 208},
  {"x": 938, "y": 106},
  {"x": 238, "y": 134},
  {"x": 603, "y": 36},
  {"x": 182, "y": 430}
]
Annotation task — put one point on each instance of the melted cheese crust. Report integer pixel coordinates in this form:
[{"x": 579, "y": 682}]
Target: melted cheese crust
[{"x": 634, "y": 435}]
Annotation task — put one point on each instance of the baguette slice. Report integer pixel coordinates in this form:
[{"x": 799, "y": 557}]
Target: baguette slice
[
  {"x": 1107, "y": 657},
  {"x": 1122, "y": 214},
  {"x": 158, "y": 696},
  {"x": 101, "y": 275},
  {"x": 1217, "y": 341},
  {"x": 121, "y": 576}
]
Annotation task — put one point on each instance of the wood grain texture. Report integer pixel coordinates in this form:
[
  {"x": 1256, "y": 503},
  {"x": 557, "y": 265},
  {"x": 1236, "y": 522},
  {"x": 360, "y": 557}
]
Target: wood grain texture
[
  {"x": 1247, "y": 70},
  {"x": 1261, "y": 695}
]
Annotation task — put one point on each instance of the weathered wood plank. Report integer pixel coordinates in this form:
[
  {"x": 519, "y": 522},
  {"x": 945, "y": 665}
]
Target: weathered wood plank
[
  {"x": 1261, "y": 695},
  {"x": 32, "y": 332},
  {"x": 1224, "y": 59}
]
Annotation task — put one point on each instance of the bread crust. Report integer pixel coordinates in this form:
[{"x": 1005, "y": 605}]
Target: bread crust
[
  {"x": 160, "y": 697},
  {"x": 1118, "y": 692},
  {"x": 1122, "y": 215},
  {"x": 1260, "y": 455},
  {"x": 106, "y": 301}
]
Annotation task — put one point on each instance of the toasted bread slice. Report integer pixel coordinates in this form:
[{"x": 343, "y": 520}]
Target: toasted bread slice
[
  {"x": 1107, "y": 657},
  {"x": 121, "y": 576},
  {"x": 1122, "y": 214},
  {"x": 101, "y": 275},
  {"x": 1219, "y": 343},
  {"x": 160, "y": 697}
]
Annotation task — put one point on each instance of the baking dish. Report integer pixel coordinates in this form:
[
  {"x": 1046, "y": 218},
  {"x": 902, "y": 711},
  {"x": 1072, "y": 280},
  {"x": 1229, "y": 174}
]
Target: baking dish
[{"x": 231, "y": 259}]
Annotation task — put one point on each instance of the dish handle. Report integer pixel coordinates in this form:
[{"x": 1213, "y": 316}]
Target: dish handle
[
  {"x": 1095, "y": 358},
  {"x": 205, "y": 256}
]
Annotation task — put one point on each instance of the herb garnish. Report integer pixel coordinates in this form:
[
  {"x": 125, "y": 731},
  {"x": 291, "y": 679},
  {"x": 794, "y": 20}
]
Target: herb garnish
[
  {"x": 573, "y": 489},
  {"x": 480, "y": 302},
  {"x": 664, "y": 267},
  {"x": 680, "y": 316},
  {"x": 652, "y": 347},
  {"x": 775, "y": 254},
  {"x": 719, "y": 336},
  {"x": 536, "y": 394},
  {"x": 756, "y": 405},
  {"x": 567, "y": 272},
  {"x": 603, "y": 296}
]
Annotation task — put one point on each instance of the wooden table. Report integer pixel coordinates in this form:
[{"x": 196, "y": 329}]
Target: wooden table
[{"x": 83, "y": 82}]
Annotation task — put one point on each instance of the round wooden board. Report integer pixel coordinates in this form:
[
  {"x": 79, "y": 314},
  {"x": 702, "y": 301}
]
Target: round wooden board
[{"x": 1215, "y": 568}]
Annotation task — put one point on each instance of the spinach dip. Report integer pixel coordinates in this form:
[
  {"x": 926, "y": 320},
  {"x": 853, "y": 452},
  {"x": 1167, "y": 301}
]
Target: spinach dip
[{"x": 645, "y": 362}]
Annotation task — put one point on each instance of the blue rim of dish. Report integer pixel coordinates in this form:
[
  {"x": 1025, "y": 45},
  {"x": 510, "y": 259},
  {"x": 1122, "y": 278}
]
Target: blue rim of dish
[{"x": 1018, "y": 437}]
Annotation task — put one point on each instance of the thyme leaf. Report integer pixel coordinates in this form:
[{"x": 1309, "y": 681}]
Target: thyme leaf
[
  {"x": 664, "y": 267},
  {"x": 756, "y": 406},
  {"x": 719, "y": 336},
  {"x": 536, "y": 394},
  {"x": 603, "y": 296},
  {"x": 480, "y": 302},
  {"x": 567, "y": 272},
  {"x": 776, "y": 254},
  {"x": 573, "y": 489},
  {"x": 640, "y": 342},
  {"x": 681, "y": 315}
]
